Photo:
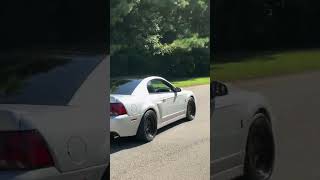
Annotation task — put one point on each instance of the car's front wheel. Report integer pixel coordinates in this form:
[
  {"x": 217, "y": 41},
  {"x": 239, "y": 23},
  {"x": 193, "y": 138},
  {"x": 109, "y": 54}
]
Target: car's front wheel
[
  {"x": 191, "y": 109},
  {"x": 260, "y": 150},
  {"x": 148, "y": 127}
]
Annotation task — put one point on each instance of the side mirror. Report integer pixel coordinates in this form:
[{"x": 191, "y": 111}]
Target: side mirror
[
  {"x": 177, "y": 89},
  {"x": 218, "y": 89}
]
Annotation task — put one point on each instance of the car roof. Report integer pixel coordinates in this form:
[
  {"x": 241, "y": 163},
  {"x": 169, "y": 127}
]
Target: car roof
[{"x": 147, "y": 78}]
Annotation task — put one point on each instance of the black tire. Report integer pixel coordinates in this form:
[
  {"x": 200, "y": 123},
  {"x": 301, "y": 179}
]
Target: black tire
[
  {"x": 191, "y": 109},
  {"x": 260, "y": 150},
  {"x": 148, "y": 127}
]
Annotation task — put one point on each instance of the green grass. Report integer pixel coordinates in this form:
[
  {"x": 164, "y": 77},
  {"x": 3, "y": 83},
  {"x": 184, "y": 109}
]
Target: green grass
[
  {"x": 191, "y": 82},
  {"x": 266, "y": 65}
]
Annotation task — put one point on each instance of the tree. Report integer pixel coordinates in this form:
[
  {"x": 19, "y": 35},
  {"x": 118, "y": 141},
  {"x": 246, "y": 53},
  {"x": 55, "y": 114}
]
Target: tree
[{"x": 159, "y": 27}]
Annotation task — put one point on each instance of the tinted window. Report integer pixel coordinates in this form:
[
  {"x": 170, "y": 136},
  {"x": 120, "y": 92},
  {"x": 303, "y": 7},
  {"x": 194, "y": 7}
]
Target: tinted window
[
  {"x": 43, "y": 81},
  {"x": 124, "y": 86},
  {"x": 158, "y": 86}
]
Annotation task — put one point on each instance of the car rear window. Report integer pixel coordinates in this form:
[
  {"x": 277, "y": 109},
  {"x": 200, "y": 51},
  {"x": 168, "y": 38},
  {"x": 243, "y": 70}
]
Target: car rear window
[
  {"x": 124, "y": 86},
  {"x": 43, "y": 80}
]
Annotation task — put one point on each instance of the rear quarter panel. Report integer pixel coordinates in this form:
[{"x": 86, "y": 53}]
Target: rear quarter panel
[{"x": 78, "y": 135}]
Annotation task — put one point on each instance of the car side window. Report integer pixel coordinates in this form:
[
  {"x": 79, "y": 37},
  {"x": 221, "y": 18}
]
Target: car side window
[{"x": 158, "y": 86}]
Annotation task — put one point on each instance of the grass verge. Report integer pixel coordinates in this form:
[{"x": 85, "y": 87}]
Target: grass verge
[
  {"x": 191, "y": 81},
  {"x": 271, "y": 64}
]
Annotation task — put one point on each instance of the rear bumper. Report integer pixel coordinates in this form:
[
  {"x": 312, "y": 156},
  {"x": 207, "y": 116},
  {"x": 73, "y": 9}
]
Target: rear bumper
[
  {"x": 125, "y": 125},
  {"x": 94, "y": 173}
]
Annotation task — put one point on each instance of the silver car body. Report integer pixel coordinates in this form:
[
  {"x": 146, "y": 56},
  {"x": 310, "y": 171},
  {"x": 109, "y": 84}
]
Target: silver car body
[
  {"x": 169, "y": 107},
  {"x": 76, "y": 134},
  {"x": 231, "y": 117}
]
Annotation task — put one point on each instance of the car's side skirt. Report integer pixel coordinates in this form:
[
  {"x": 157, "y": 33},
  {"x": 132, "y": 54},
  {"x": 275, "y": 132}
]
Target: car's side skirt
[
  {"x": 171, "y": 120},
  {"x": 228, "y": 174},
  {"x": 228, "y": 162},
  {"x": 173, "y": 115}
]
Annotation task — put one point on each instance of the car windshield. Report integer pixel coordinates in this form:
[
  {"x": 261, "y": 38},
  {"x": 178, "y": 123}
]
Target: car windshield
[
  {"x": 124, "y": 86},
  {"x": 43, "y": 80}
]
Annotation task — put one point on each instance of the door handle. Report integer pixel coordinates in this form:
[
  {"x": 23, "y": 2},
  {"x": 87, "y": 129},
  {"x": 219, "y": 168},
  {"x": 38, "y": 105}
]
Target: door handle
[
  {"x": 161, "y": 101},
  {"x": 165, "y": 99}
]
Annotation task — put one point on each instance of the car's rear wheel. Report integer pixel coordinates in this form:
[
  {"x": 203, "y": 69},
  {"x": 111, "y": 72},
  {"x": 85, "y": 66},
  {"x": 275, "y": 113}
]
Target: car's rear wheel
[
  {"x": 148, "y": 127},
  {"x": 191, "y": 109},
  {"x": 260, "y": 150}
]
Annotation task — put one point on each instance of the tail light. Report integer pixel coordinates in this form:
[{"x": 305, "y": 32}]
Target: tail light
[
  {"x": 117, "y": 109},
  {"x": 23, "y": 150}
]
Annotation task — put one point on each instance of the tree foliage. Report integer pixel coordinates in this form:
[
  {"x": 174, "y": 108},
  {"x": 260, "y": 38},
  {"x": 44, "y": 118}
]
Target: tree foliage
[{"x": 159, "y": 27}]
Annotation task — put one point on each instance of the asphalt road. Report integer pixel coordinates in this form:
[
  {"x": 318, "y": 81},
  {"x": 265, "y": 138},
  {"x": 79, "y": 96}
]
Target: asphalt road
[
  {"x": 295, "y": 100},
  {"x": 179, "y": 151}
]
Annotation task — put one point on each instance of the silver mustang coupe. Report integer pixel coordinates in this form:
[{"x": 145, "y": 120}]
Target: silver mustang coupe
[
  {"x": 139, "y": 107},
  {"x": 242, "y": 132},
  {"x": 52, "y": 117}
]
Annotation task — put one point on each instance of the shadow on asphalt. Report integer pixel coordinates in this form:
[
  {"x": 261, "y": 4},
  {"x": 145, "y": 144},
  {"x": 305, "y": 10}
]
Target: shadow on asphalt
[
  {"x": 238, "y": 178},
  {"x": 120, "y": 144}
]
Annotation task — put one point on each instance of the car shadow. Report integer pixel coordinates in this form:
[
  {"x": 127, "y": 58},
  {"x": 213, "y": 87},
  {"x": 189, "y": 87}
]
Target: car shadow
[
  {"x": 239, "y": 178},
  {"x": 124, "y": 143}
]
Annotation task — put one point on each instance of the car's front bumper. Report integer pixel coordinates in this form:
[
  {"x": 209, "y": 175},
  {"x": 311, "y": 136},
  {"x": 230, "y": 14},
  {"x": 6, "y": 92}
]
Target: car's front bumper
[{"x": 125, "y": 125}]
